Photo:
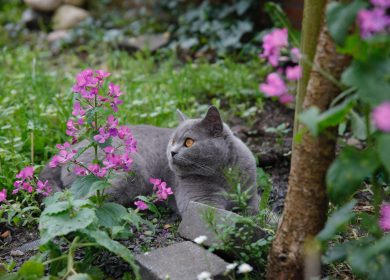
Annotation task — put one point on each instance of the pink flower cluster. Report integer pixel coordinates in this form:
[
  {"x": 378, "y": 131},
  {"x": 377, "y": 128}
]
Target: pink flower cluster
[
  {"x": 3, "y": 195},
  {"x": 384, "y": 221},
  {"x": 89, "y": 85},
  {"x": 381, "y": 116},
  {"x": 161, "y": 191},
  {"x": 29, "y": 183},
  {"x": 276, "y": 51},
  {"x": 375, "y": 20}
]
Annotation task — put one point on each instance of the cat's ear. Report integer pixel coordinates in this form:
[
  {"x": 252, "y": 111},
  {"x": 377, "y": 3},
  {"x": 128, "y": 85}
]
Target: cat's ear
[
  {"x": 213, "y": 122},
  {"x": 180, "y": 116}
]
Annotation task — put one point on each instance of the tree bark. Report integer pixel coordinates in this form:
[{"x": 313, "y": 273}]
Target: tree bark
[{"x": 306, "y": 201}]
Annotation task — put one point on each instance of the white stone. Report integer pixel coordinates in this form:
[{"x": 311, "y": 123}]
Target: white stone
[
  {"x": 67, "y": 17},
  {"x": 57, "y": 35},
  {"x": 44, "y": 5}
]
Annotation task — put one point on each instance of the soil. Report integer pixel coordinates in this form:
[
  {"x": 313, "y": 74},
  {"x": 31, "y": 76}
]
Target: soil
[{"x": 272, "y": 150}]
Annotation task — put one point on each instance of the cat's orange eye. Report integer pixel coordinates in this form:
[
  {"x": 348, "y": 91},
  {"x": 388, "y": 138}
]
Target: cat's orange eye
[{"x": 189, "y": 142}]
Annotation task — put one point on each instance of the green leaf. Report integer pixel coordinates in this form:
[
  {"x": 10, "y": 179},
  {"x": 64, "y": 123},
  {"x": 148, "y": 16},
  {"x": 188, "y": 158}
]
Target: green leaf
[
  {"x": 337, "y": 221},
  {"x": 87, "y": 186},
  {"x": 348, "y": 171},
  {"x": 340, "y": 17},
  {"x": 56, "y": 208},
  {"x": 371, "y": 78},
  {"x": 384, "y": 150},
  {"x": 64, "y": 223},
  {"x": 150, "y": 204},
  {"x": 110, "y": 214},
  {"x": 370, "y": 224},
  {"x": 79, "y": 276},
  {"x": 317, "y": 122},
  {"x": 31, "y": 270},
  {"x": 113, "y": 246},
  {"x": 372, "y": 259},
  {"x": 358, "y": 126}
]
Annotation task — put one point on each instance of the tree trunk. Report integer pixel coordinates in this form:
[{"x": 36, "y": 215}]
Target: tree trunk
[{"x": 306, "y": 201}]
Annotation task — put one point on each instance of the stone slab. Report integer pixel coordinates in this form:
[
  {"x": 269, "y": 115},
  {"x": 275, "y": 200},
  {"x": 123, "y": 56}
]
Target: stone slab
[
  {"x": 180, "y": 261},
  {"x": 193, "y": 223}
]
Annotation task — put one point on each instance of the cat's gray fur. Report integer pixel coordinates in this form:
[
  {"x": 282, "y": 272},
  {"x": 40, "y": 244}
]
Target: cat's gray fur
[{"x": 194, "y": 173}]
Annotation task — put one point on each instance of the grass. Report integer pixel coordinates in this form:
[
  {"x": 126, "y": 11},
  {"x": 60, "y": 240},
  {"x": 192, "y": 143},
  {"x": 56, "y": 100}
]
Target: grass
[{"x": 36, "y": 97}]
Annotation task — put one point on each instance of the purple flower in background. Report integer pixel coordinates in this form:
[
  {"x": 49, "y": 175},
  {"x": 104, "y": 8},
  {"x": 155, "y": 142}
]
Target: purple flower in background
[
  {"x": 381, "y": 116},
  {"x": 97, "y": 170},
  {"x": 381, "y": 3},
  {"x": 3, "y": 195},
  {"x": 372, "y": 21},
  {"x": 295, "y": 54},
  {"x": 294, "y": 73},
  {"x": 114, "y": 90},
  {"x": 274, "y": 85},
  {"x": 273, "y": 42},
  {"x": 43, "y": 188},
  {"x": 78, "y": 110},
  {"x": 161, "y": 188},
  {"x": 80, "y": 171},
  {"x": 141, "y": 205},
  {"x": 102, "y": 136},
  {"x": 26, "y": 173},
  {"x": 384, "y": 220},
  {"x": 286, "y": 98}
]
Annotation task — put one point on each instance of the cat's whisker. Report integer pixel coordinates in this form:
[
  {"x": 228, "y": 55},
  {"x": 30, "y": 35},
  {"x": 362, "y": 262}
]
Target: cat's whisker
[{"x": 198, "y": 165}]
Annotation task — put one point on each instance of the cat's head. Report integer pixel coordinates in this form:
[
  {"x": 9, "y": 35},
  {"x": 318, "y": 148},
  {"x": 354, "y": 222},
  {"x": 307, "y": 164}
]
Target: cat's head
[{"x": 199, "y": 146}]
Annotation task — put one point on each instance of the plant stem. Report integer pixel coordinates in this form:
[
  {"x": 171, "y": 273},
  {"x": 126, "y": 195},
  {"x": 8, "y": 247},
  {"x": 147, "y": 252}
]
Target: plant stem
[
  {"x": 72, "y": 249},
  {"x": 311, "y": 24},
  {"x": 54, "y": 260}
]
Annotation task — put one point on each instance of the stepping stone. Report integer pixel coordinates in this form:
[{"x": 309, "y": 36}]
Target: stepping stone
[
  {"x": 193, "y": 223},
  {"x": 180, "y": 261}
]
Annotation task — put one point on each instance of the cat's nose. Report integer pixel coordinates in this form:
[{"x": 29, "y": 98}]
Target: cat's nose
[{"x": 173, "y": 153}]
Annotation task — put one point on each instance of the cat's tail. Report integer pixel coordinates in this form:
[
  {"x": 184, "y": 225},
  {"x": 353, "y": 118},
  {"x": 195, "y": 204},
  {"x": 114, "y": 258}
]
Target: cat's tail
[{"x": 53, "y": 176}]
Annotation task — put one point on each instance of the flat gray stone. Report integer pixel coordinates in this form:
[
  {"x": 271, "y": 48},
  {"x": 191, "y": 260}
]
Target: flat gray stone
[
  {"x": 180, "y": 261},
  {"x": 150, "y": 42},
  {"x": 193, "y": 223}
]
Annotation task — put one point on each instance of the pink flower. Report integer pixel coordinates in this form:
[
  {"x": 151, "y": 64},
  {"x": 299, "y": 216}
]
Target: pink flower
[
  {"x": 3, "y": 195},
  {"x": 381, "y": 116},
  {"x": 101, "y": 74},
  {"x": 141, "y": 205},
  {"x": 274, "y": 86},
  {"x": 293, "y": 73},
  {"x": 78, "y": 110},
  {"x": 384, "y": 221},
  {"x": 109, "y": 150},
  {"x": 62, "y": 157},
  {"x": 381, "y": 3},
  {"x": 131, "y": 145},
  {"x": 43, "y": 188},
  {"x": 97, "y": 170},
  {"x": 163, "y": 191},
  {"x": 27, "y": 186},
  {"x": 126, "y": 161},
  {"x": 273, "y": 42},
  {"x": 102, "y": 136},
  {"x": 295, "y": 54},
  {"x": 26, "y": 173},
  {"x": 114, "y": 90},
  {"x": 372, "y": 21},
  {"x": 71, "y": 129},
  {"x": 124, "y": 132},
  {"x": 286, "y": 98},
  {"x": 80, "y": 171},
  {"x": 112, "y": 161},
  {"x": 114, "y": 103}
]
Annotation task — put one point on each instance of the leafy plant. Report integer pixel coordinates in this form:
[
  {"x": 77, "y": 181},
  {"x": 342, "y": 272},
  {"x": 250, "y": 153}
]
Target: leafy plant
[
  {"x": 361, "y": 110},
  {"x": 209, "y": 26}
]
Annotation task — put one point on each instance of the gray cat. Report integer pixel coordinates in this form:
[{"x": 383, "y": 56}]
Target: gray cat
[{"x": 191, "y": 159}]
